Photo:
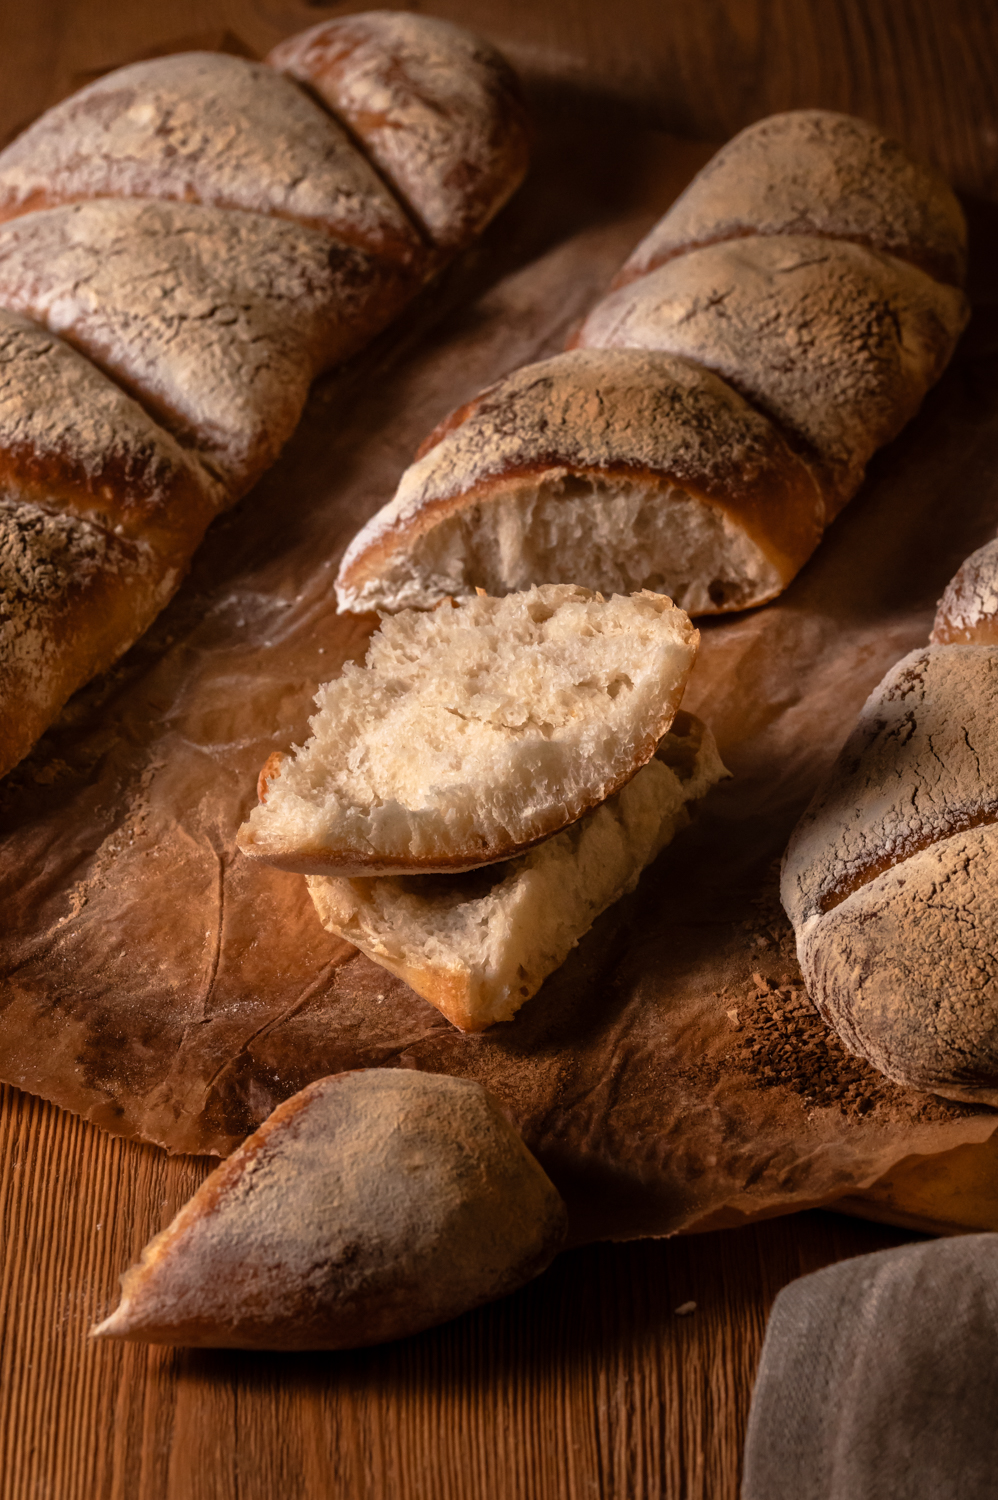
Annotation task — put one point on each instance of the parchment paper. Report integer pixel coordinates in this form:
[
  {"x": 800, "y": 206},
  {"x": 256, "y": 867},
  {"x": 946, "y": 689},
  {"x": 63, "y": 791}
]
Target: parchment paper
[{"x": 156, "y": 983}]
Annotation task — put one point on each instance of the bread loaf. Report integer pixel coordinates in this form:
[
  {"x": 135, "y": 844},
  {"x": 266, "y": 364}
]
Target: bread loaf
[
  {"x": 184, "y": 245},
  {"x": 889, "y": 876},
  {"x": 812, "y": 269},
  {"x": 478, "y": 945},
  {"x": 475, "y": 731},
  {"x": 369, "y": 1206}
]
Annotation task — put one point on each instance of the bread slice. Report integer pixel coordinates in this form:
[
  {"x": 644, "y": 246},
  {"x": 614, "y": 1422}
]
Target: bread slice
[
  {"x": 478, "y": 945},
  {"x": 474, "y": 731}
]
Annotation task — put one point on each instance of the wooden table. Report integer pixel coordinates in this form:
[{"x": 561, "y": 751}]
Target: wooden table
[{"x": 587, "y": 1383}]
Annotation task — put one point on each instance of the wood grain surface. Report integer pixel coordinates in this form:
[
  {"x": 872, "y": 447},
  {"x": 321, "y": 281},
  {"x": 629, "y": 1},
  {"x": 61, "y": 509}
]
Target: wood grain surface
[{"x": 587, "y": 1383}]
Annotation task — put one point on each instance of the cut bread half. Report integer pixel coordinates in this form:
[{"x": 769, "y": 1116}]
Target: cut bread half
[
  {"x": 478, "y": 945},
  {"x": 474, "y": 731},
  {"x": 620, "y": 469}
]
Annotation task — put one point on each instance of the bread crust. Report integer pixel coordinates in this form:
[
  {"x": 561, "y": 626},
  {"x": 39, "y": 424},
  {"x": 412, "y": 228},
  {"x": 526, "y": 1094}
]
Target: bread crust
[
  {"x": 647, "y": 417},
  {"x": 438, "y": 110},
  {"x": 210, "y": 236},
  {"x": 968, "y": 611},
  {"x": 369, "y": 1206},
  {"x": 203, "y": 127},
  {"x": 834, "y": 342}
]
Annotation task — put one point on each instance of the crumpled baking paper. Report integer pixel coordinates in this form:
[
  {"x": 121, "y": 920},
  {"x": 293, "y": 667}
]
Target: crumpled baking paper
[{"x": 157, "y": 983}]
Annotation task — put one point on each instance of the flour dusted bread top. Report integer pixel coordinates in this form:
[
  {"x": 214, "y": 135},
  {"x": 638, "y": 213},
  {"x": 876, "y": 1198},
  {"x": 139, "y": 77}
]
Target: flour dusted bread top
[
  {"x": 815, "y": 172},
  {"x": 968, "y": 610},
  {"x": 476, "y": 730},
  {"x": 71, "y": 439},
  {"x": 218, "y": 320},
  {"x": 921, "y": 763},
  {"x": 202, "y": 127},
  {"x": 837, "y": 343},
  {"x": 436, "y": 108}
]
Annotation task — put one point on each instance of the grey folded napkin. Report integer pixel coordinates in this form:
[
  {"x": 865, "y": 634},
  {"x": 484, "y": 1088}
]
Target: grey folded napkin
[{"x": 879, "y": 1379}]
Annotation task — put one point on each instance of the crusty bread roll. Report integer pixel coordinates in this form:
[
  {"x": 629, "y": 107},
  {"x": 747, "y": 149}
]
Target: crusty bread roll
[
  {"x": 369, "y": 1206},
  {"x": 889, "y": 877},
  {"x": 210, "y": 235},
  {"x": 474, "y": 731},
  {"x": 815, "y": 270},
  {"x": 478, "y": 945}
]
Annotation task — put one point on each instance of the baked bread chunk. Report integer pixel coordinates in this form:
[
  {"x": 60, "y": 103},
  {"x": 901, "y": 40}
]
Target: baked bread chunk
[
  {"x": 475, "y": 731},
  {"x": 814, "y": 269},
  {"x": 888, "y": 877},
  {"x": 369, "y": 1206},
  {"x": 627, "y": 468},
  {"x": 478, "y": 945}
]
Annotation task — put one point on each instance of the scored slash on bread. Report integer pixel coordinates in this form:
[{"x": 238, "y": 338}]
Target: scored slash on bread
[
  {"x": 478, "y": 945},
  {"x": 475, "y": 731}
]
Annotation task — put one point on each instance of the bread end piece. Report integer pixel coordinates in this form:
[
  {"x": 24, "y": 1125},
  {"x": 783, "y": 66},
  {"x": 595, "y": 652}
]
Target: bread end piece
[
  {"x": 371, "y": 1205},
  {"x": 618, "y": 469},
  {"x": 478, "y": 945}
]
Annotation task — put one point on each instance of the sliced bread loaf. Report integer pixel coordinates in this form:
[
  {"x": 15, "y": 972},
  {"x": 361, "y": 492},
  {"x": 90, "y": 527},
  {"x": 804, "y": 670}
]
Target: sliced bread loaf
[
  {"x": 478, "y": 945},
  {"x": 475, "y": 731}
]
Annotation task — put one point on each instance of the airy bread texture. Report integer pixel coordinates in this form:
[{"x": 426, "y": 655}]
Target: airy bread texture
[
  {"x": 888, "y": 877},
  {"x": 799, "y": 269},
  {"x": 474, "y": 731},
  {"x": 627, "y": 468},
  {"x": 369, "y": 1206},
  {"x": 480, "y": 944}
]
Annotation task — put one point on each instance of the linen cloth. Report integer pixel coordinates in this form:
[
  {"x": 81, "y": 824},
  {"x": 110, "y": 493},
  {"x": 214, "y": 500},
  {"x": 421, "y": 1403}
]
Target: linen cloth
[{"x": 879, "y": 1378}]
